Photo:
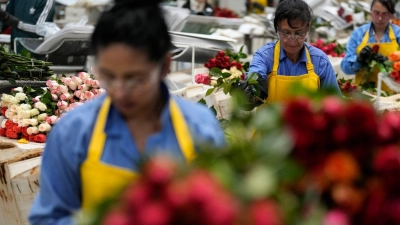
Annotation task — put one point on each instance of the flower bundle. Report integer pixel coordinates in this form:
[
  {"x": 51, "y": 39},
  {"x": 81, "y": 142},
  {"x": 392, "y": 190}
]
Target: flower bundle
[
  {"x": 347, "y": 87},
  {"x": 31, "y": 112},
  {"x": 224, "y": 12},
  {"x": 225, "y": 70},
  {"x": 332, "y": 48},
  {"x": 394, "y": 57},
  {"x": 306, "y": 161}
]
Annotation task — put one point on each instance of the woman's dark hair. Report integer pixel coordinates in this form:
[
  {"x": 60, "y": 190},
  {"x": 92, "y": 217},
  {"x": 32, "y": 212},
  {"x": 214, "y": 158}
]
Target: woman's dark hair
[
  {"x": 292, "y": 10},
  {"x": 389, "y": 4},
  {"x": 139, "y": 24}
]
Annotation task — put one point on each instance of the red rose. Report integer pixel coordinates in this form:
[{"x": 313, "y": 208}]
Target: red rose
[
  {"x": 31, "y": 138},
  {"x": 265, "y": 213},
  {"x": 41, "y": 138},
  {"x": 348, "y": 18},
  {"x": 375, "y": 48},
  {"x": 11, "y": 134},
  {"x": 24, "y": 132},
  {"x": 3, "y": 110},
  {"x": 9, "y": 124},
  {"x": 387, "y": 164},
  {"x": 16, "y": 128},
  {"x": 116, "y": 218},
  {"x": 3, "y": 132},
  {"x": 202, "y": 79}
]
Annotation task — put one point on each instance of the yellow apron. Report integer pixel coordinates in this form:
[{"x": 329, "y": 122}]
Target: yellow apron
[
  {"x": 279, "y": 85},
  {"x": 101, "y": 180},
  {"x": 384, "y": 48}
]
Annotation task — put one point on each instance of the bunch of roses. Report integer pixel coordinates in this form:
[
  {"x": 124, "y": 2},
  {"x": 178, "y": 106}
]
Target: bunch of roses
[
  {"x": 394, "y": 57},
  {"x": 228, "y": 76},
  {"x": 163, "y": 196},
  {"x": 352, "y": 156},
  {"x": 70, "y": 92},
  {"x": 24, "y": 120}
]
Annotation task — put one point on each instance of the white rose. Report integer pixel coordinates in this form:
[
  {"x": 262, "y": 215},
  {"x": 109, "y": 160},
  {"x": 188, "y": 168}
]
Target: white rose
[
  {"x": 32, "y": 130},
  {"x": 44, "y": 127},
  {"x": 6, "y": 97},
  {"x": 20, "y": 96},
  {"x": 9, "y": 113},
  {"x": 19, "y": 89},
  {"x": 33, "y": 122},
  {"x": 3, "y": 123},
  {"x": 24, "y": 114},
  {"x": 23, "y": 123},
  {"x": 25, "y": 107},
  {"x": 14, "y": 108},
  {"x": 34, "y": 112},
  {"x": 41, "y": 106},
  {"x": 42, "y": 117},
  {"x": 15, "y": 119},
  {"x": 14, "y": 100}
]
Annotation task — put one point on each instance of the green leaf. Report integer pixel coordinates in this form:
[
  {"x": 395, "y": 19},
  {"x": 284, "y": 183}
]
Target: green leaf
[
  {"x": 209, "y": 91},
  {"x": 215, "y": 70},
  {"x": 242, "y": 55},
  {"x": 226, "y": 75},
  {"x": 12, "y": 81},
  {"x": 202, "y": 101},
  {"x": 227, "y": 88},
  {"x": 25, "y": 53},
  {"x": 252, "y": 78},
  {"x": 241, "y": 49}
]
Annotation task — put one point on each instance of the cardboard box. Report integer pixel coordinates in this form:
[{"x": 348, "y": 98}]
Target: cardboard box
[{"x": 19, "y": 180}]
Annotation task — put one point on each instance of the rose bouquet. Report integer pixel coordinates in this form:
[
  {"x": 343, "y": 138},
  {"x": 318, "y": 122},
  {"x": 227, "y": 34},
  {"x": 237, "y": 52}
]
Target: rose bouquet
[
  {"x": 30, "y": 112},
  {"x": 332, "y": 48},
  {"x": 324, "y": 161}
]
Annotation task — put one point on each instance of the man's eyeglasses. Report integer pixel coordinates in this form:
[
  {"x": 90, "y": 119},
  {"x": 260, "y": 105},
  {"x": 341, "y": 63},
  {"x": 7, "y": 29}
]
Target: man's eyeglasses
[
  {"x": 385, "y": 15},
  {"x": 286, "y": 37}
]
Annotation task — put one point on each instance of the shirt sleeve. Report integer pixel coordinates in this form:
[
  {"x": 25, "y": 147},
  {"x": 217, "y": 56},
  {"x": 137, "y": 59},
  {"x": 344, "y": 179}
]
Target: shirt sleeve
[
  {"x": 59, "y": 194},
  {"x": 327, "y": 75},
  {"x": 261, "y": 62},
  {"x": 41, "y": 16},
  {"x": 349, "y": 64}
]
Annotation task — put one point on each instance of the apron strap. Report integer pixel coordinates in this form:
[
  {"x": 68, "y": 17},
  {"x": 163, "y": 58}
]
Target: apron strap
[
  {"x": 277, "y": 53},
  {"x": 310, "y": 66},
  {"x": 96, "y": 144},
  {"x": 391, "y": 34},
  {"x": 182, "y": 132}
]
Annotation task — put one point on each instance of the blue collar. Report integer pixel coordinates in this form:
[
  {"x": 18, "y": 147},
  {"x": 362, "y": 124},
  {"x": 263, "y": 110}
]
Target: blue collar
[
  {"x": 303, "y": 57},
  {"x": 114, "y": 128}
]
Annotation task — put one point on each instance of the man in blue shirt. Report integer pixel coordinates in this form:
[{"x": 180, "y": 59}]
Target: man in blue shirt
[
  {"x": 290, "y": 60},
  {"x": 378, "y": 32},
  {"x": 97, "y": 149}
]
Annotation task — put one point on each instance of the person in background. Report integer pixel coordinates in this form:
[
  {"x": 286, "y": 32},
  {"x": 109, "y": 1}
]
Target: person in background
[
  {"x": 98, "y": 148},
  {"x": 199, "y": 7},
  {"x": 289, "y": 60},
  {"x": 23, "y": 16},
  {"x": 377, "y": 32}
]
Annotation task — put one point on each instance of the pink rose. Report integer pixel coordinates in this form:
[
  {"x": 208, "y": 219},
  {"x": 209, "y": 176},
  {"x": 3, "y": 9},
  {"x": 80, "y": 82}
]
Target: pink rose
[
  {"x": 77, "y": 80},
  {"x": 83, "y": 87},
  {"x": 83, "y": 75},
  {"x": 89, "y": 95},
  {"x": 62, "y": 105},
  {"x": 51, "y": 84},
  {"x": 87, "y": 81},
  {"x": 73, "y": 86},
  {"x": 202, "y": 79},
  {"x": 78, "y": 93},
  {"x": 53, "y": 92},
  {"x": 51, "y": 119},
  {"x": 336, "y": 217},
  {"x": 66, "y": 80},
  {"x": 54, "y": 97},
  {"x": 65, "y": 96},
  {"x": 82, "y": 97},
  {"x": 62, "y": 89},
  {"x": 101, "y": 91},
  {"x": 95, "y": 83}
]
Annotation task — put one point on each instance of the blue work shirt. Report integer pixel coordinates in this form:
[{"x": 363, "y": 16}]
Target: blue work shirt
[
  {"x": 349, "y": 64},
  {"x": 263, "y": 61},
  {"x": 66, "y": 149}
]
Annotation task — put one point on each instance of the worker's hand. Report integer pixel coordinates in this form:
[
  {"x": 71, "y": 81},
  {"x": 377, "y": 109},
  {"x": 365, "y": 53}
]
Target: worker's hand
[
  {"x": 8, "y": 19},
  {"x": 364, "y": 54},
  {"x": 380, "y": 58},
  {"x": 250, "y": 91}
]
